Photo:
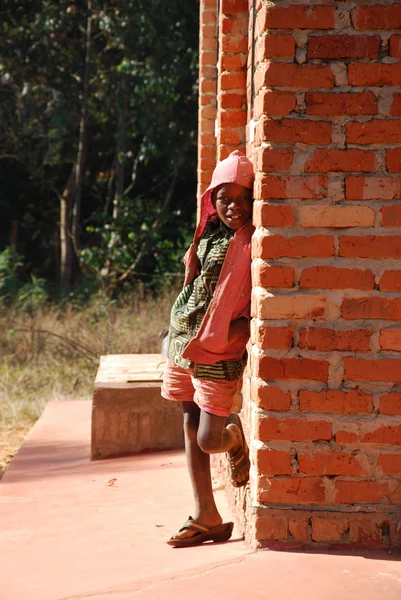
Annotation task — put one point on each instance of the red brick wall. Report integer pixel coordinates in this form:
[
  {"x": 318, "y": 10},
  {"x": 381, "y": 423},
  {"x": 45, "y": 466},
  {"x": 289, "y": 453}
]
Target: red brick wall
[{"x": 326, "y": 385}]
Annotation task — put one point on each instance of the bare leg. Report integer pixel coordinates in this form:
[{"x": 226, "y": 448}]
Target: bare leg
[
  {"x": 215, "y": 437},
  {"x": 206, "y": 434},
  {"x": 198, "y": 463}
]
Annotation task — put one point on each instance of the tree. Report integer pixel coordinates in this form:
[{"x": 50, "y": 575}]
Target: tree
[{"x": 99, "y": 115}]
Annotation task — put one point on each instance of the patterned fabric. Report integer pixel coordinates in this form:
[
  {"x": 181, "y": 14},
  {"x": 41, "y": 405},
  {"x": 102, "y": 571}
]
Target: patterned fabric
[{"x": 191, "y": 304}]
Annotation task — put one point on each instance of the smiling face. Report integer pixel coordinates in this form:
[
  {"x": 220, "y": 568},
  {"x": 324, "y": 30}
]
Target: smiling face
[{"x": 233, "y": 203}]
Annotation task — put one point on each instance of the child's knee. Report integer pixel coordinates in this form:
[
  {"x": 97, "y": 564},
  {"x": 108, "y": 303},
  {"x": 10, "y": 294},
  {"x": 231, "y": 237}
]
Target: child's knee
[{"x": 209, "y": 442}]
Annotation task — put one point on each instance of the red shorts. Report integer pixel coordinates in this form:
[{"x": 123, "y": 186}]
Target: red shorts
[{"x": 216, "y": 397}]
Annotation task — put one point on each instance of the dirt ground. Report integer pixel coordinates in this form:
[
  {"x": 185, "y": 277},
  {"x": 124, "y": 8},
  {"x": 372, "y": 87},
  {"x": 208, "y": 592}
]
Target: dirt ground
[{"x": 11, "y": 438}]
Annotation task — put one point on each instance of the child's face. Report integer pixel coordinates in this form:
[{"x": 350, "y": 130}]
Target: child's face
[{"x": 233, "y": 203}]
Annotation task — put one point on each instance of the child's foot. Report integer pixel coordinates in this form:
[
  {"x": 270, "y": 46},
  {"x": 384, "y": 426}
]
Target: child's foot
[
  {"x": 193, "y": 533},
  {"x": 238, "y": 457}
]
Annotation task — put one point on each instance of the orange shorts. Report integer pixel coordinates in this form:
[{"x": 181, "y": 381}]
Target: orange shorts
[{"x": 216, "y": 397}]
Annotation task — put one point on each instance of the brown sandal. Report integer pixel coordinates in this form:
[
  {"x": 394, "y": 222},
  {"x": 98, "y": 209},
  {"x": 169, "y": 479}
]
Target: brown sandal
[
  {"x": 219, "y": 533},
  {"x": 240, "y": 459}
]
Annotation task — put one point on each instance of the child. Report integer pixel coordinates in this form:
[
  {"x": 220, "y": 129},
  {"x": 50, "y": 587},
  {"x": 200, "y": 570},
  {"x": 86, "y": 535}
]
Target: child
[{"x": 209, "y": 330}]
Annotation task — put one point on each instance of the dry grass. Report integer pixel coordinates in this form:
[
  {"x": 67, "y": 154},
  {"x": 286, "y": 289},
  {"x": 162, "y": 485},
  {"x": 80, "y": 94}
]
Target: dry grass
[{"x": 54, "y": 353}]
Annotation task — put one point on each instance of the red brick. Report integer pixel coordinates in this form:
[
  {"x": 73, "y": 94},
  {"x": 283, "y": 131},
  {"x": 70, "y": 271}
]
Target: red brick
[
  {"x": 294, "y": 490},
  {"x": 339, "y": 104},
  {"x": 306, "y": 77},
  {"x": 271, "y": 528},
  {"x": 269, "y": 397},
  {"x": 336, "y": 216},
  {"x": 296, "y": 17},
  {"x": 372, "y": 307},
  {"x": 324, "y": 339},
  {"x": 286, "y": 306},
  {"x": 291, "y": 186},
  {"x": 390, "y": 339},
  {"x": 380, "y": 131},
  {"x": 277, "y": 246},
  {"x": 274, "y": 276},
  {"x": 233, "y": 7},
  {"x": 232, "y": 62},
  {"x": 207, "y": 112},
  {"x": 337, "y": 278},
  {"x": 272, "y": 102},
  {"x": 390, "y": 281},
  {"x": 376, "y": 17},
  {"x": 207, "y": 58},
  {"x": 273, "y": 159},
  {"x": 329, "y": 463},
  {"x": 231, "y": 137},
  {"x": 273, "y": 215},
  {"x": 389, "y": 464},
  {"x": 370, "y": 246},
  {"x": 374, "y": 74},
  {"x": 395, "y": 46},
  {"x": 208, "y": 30},
  {"x": 269, "y": 368},
  {"x": 390, "y": 404},
  {"x": 236, "y": 101},
  {"x": 232, "y": 118},
  {"x": 273, "y": 462},
  {"x": 386, "y": 369},
  {"x": 344, "y": 437},
  {"x": 395, "y": 110},
  {"x": 393, "y": 160},
  {"x": 235, "y": 43},
  {"x": 391, "y": 216},
  {"x": 357, "y": 492},
  {"x": 335, "y": 401},
  {"x": 208, "y": 72},
  {"x": 207, "y": 86},
  {"x": 344, "y": 46},
  {"x": 372, "y": 188},
  {"x": 233, "y": 26},
  {"x": 274, "y": 46},
  {"x": 297, "y": 130},
  {"x": 232, "y": 81},
  {"x": 279, "y": 338},
  {"x": 329, "y": 529},
  {"x": 382, "y": 434},
  {"x": 366, "y": 531},
  {"x": 325, "y": 160},
  {"x": 299, "y": 529},
  {"x": 293, "y": 429}
]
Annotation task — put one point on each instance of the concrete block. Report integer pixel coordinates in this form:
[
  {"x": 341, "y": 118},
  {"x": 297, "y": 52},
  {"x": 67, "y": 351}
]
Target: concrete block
[{"x": 128, "y": 413}]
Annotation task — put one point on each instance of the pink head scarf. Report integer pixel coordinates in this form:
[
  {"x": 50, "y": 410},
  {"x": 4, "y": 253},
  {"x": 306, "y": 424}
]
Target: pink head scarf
[{"x": 236, "y": 168}]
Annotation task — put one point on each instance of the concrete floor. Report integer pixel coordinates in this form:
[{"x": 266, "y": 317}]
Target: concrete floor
[{"x": 72, "y": 529}]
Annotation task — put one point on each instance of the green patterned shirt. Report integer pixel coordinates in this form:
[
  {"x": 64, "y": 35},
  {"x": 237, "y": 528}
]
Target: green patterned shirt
[{"x": 192, "y": 303}]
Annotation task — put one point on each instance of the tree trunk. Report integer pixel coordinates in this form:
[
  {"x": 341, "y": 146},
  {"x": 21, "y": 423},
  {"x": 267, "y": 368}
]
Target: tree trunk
[
  {"x": 82, "y": 143},
  {"x": 66, "y": 246}
]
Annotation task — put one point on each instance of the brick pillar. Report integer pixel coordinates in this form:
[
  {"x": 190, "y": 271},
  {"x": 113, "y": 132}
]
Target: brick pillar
[
  {"x": 207, "y": 92},
  {"x": 326, "y": 336},
  {"x": 233, "y": 53}
]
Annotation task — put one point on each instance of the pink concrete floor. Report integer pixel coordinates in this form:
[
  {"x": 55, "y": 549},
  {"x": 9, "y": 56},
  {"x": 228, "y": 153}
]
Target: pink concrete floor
[{"x": 72, "y": 529}]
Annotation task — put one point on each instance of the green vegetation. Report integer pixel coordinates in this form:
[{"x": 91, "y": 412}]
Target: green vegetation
[
  {"x": 98, "y": 119},
  {"x": 98, "y": 129}
]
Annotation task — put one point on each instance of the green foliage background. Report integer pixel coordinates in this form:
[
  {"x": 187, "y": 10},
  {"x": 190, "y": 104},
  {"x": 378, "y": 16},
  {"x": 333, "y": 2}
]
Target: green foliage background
[{"x": 143, "y": 67}]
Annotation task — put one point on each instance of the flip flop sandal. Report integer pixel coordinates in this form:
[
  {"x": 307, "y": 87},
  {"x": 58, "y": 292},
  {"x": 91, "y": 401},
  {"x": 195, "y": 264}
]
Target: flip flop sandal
[
  {"x": 219, "y": 533},
  {"x": 240, "y": 459}
]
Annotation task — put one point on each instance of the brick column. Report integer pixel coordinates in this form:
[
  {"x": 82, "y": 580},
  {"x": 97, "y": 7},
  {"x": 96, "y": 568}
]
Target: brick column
[
  {"x": 326, "y": 369},
  {"x": 233, "y": 53},
  {"x": 207, "y": 93}
]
